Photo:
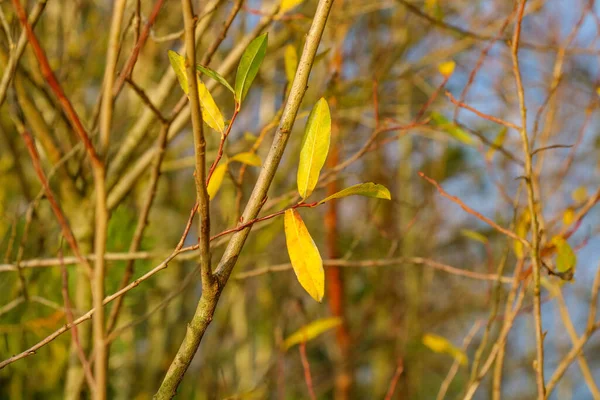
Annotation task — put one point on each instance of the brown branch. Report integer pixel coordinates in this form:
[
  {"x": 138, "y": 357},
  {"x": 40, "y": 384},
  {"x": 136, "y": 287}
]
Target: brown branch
[
  {"x": 482, "y": 114},
  {"x": 306, "y": 368}
]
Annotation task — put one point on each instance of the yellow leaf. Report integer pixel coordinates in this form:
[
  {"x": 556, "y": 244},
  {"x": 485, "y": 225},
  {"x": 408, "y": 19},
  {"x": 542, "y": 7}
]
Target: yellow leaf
[
  {"x": 368, "y": 189},
  {"x": 304, "y": 255},
  {"x": 521, "y": 231},
  {"x": 210, "y": 112},
  {"x": 566, "y": 260},
  {"x": 216, "y": 180},
  {"x": 498, "y": 142},
  {"x": 178, "y": 63},
  {"x": 440, "y": 344},
  {"x": 315, "y": 145},
  {"x": 568, "y": 216},
  {"x": 311, "y": 331},
  {"x": 446, "y": 68},
  {"x": 579, "y": 195},
  {"x": 248, "y": 158},
  {"x": 287, "y": 5},
  {"x": 474, "y": 235},
  {"x": 290, "y": 60}
]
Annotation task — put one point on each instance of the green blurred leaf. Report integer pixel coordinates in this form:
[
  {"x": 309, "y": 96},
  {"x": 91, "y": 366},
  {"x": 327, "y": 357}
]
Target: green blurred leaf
[
  {"x": 247, "y": 158},
  {"x": 311, "y": 331},
  {"x": 368, "y": 189},
  {"x": 215, "y": 75},
  {"x": 566, "y": 259},
  {"x": 498, "y": 142},
  {"x": 440, "y": 344},
  {"x": 248, "y": 66},
  {"x": 451, "y": 128},
  {"x": 314, "y": 149},
  {"x": 474, "y": 235}
]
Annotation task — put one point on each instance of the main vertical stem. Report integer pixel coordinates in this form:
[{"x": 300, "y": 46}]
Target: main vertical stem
[
  {"x": 211, "y": 293},
  {"x": 535, "y": 234}
]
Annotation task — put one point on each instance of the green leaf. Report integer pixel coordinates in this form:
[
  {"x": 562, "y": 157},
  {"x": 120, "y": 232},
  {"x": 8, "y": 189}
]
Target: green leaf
[
  {"x": 290, "y": 60},
  {"x": 248, "y": 158},
  {"x": 368, "y": 189},
  {"x": 287, "y": 5},
  {"x": 304, "y": 255},
  {"x": 216, "y": 180},
  {"x": 565, "y": 256},
  {"x": 248, "y": 66},
  {"x": 311, "y": 331},
  {"x": 451, "y": 128},
  {"x": 498, "y": 142},
  {"x": 215, "y": 75},
  {"x": 210, "y": 112},
  {"x": 315, "y": 146},
  {"x": 474, "y": 235},
  {"x": 440, "y": 344},
  {"x": 178, "y": 63}
]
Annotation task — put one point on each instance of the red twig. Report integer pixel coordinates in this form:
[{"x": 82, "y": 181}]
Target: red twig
[
  {"x": 394, "y": 382},
  {"x": 136, "y": 50},
  {"x": 62, "y": 220},
  {"x": 74, "y": 332},
  {"x": 306, "y": 367},
  {"x": 55, "y": 86},
  {"x": 473, "y": 212},
  {"x": 481, "y": 114},
  {"x": 222, "y": 144}
]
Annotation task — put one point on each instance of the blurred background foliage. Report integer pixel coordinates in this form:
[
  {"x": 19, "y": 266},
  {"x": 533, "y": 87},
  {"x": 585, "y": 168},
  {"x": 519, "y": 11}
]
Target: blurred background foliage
[{"x": 375, "y": 55}]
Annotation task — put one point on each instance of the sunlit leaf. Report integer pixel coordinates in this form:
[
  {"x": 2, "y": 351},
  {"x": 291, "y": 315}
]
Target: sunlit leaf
[
  {"x": 440, "y": 344},
  {"x": 579, "y": 195},
  {"x": 249, "y": 136},
  {"x": 248, "y": 66},
  {"x": 368, "y": 189},
  {"x": 315, "y": 145},
  {"x": 474, "y": 235},
  {"x": 311, "y": 331},
  {"x": 215, "y": 75},
  {"x": 210, "y": 112},
  {"x": 290, "y": 60},
  {"x": 565, "y": 256},
  {"x": 247, "y": 158},
  {"x": 216, "y": 180},
  {"x": 521, "y": 231},
  {"x": 451, "y": 128},
  {"x": 498, "y": 142},
  {"x": 568, "y": 216},
  {"x": 287, "y": 5},
  {"x": 178, "y": 63},
  {"x": 446, "y": 68},
  {"x": 304, "y": 255}
]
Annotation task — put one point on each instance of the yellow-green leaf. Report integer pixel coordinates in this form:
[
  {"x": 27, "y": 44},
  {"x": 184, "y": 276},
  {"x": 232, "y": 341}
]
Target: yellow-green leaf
[
  {"x": 287, "y": 5},
  {"x": 579, "y": 195},
  {"x": 565, "y": 256},
  {"x": 290, "y": 60},
  {"x": 311, "y": 331},
  {"x": 210, "y": 112},
  {"x": 216, "y": 180},
  {"x": 451, "y": 128},
  {"x": 314, "y": 149},
  {"x": 304, "y": 255},
  {"x": 248, "y": 66},
  {"x": 215, "y": 75},
  {"x": 498, "y": 142},
  {"x": 178, "y": 63},
  {"x": 474, "y": 235},
  {"x": 440, "y": 344},
  {"x": 521, "y": 230},
  {"x": 248, "y": 158},
  {"x": 368, "y": 189}
]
